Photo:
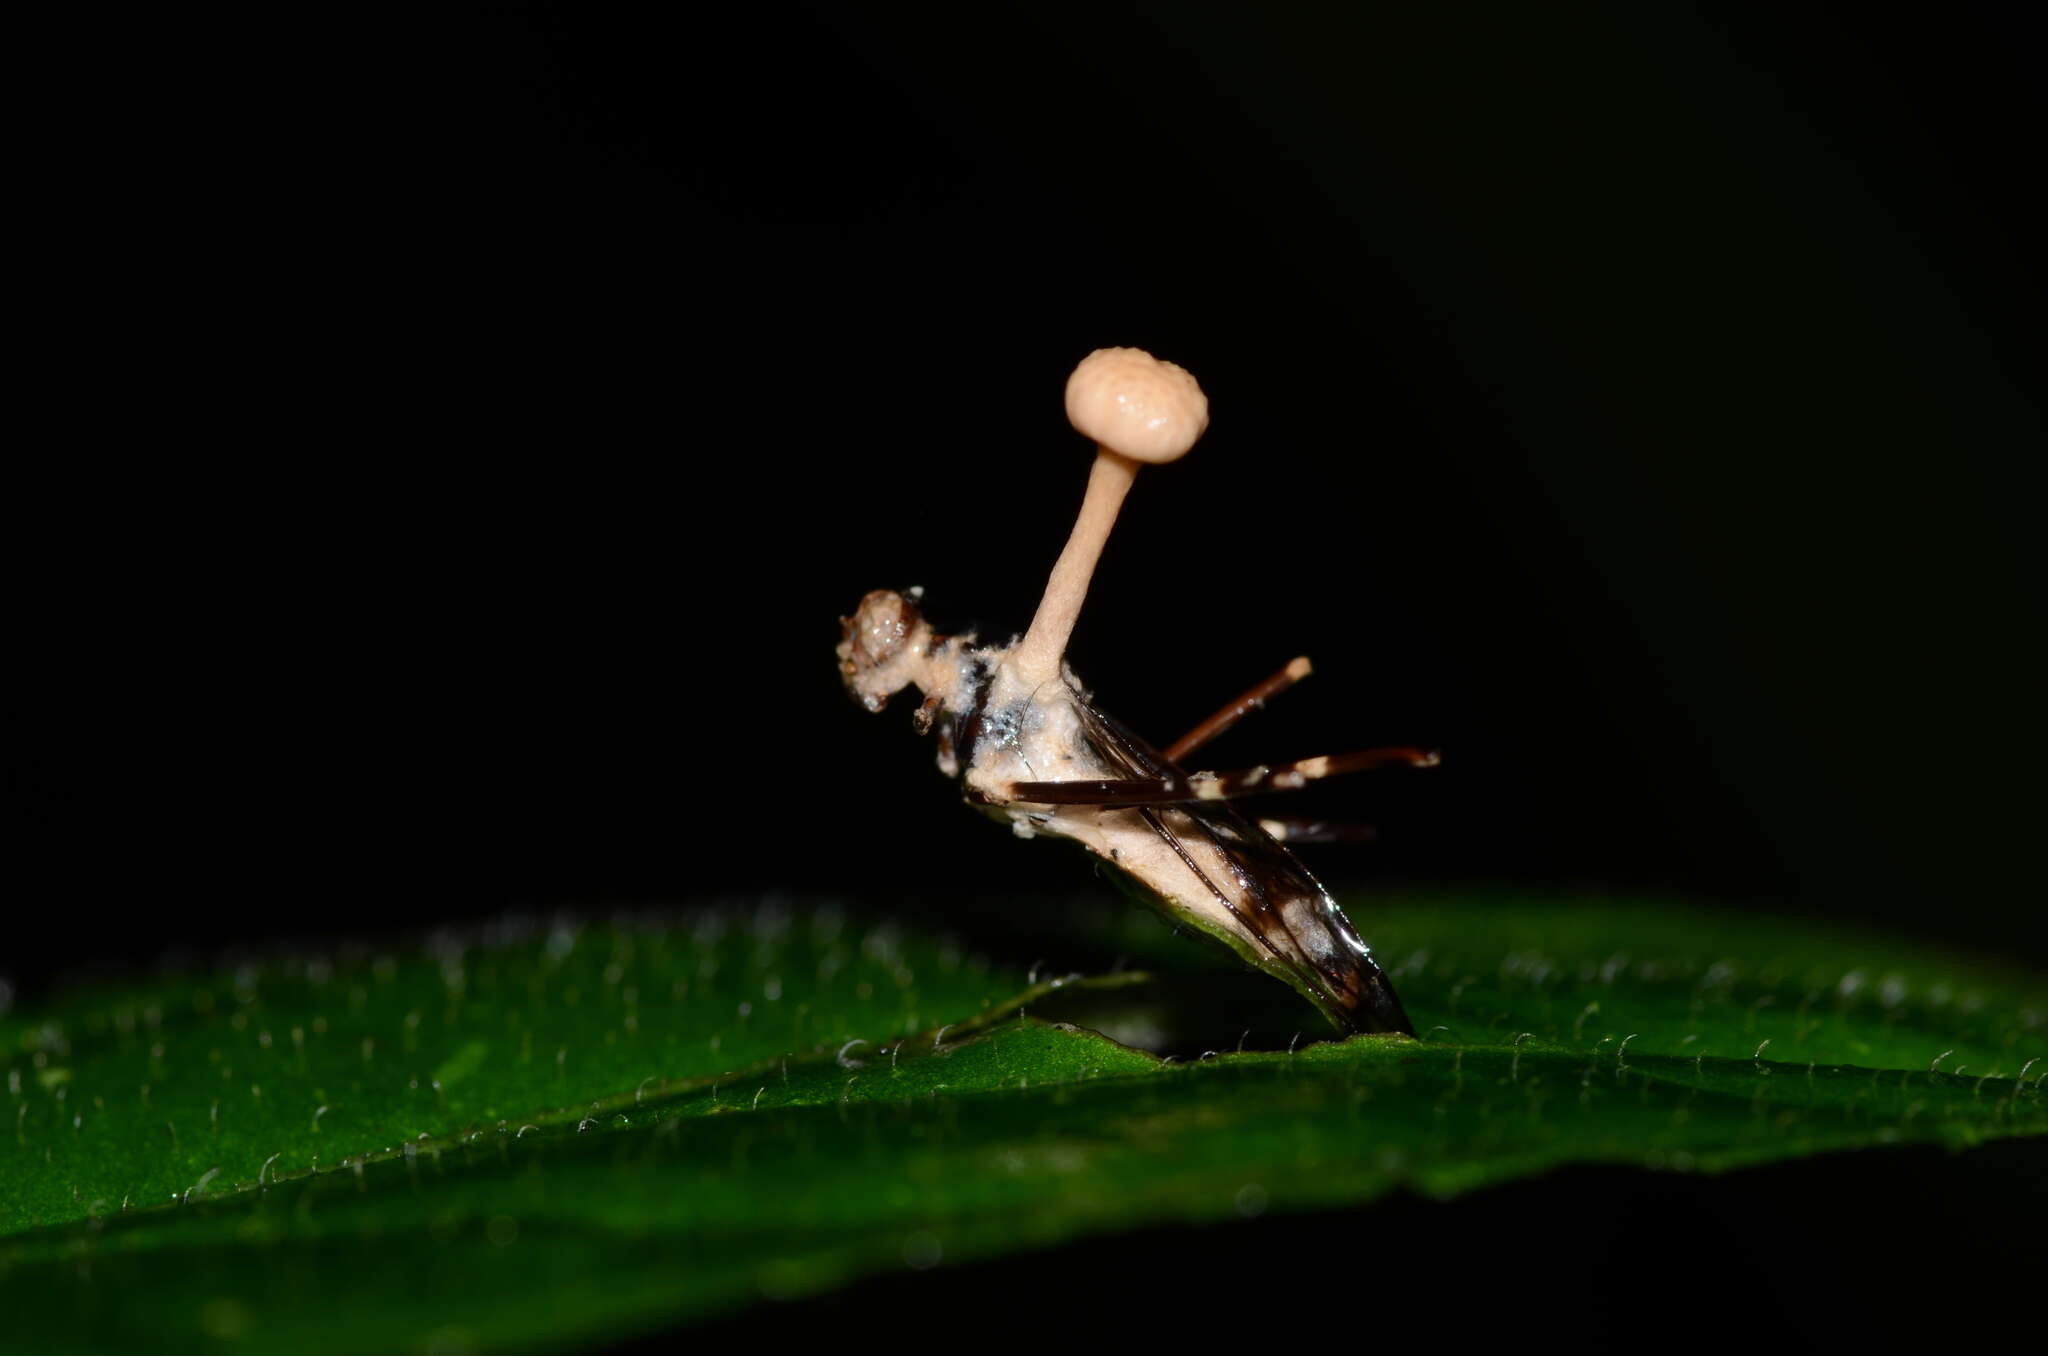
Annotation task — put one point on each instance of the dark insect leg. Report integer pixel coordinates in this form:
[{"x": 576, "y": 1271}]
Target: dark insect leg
[
  {"x": 1137, "y": 791},
  {"x": 1296, "y": 670},
  {"x": 1294, "y": 829},
  {"x": 1251, "y": 781}
]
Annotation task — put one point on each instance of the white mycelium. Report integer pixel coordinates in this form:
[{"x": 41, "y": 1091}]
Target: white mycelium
[{"x": 1035, "y": 734}]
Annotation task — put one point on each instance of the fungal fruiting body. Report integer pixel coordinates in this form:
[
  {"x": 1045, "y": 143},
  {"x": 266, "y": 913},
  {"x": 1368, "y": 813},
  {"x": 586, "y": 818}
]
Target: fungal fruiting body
[{"x": 1028, "y": 746}]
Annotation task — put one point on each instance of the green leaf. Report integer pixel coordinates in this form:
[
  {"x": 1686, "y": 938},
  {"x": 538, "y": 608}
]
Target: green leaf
[
  {"x": 197, "y": 1086},
  {"x": 878, "y": 1105}
]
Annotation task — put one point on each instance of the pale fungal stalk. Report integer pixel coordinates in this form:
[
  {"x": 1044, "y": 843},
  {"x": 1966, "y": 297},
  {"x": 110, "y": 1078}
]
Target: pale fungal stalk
[{"x": 1137, "y": 409}]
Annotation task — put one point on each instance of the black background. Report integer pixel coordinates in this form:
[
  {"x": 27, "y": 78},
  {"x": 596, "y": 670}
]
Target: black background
[
  {"x": 475, "y": 429},
  {"x": 1636, "y": 403}
]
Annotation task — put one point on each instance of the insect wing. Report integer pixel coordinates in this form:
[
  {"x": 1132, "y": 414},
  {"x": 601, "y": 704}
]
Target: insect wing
[{"x": 1291, "y": 926}]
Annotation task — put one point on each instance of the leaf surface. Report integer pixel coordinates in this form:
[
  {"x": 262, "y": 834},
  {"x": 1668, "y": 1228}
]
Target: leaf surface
[{"x": 887, "y": 1108}]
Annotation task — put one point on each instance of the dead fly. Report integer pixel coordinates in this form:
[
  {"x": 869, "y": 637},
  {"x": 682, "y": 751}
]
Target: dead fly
[{"x": 1020, "y": 732}]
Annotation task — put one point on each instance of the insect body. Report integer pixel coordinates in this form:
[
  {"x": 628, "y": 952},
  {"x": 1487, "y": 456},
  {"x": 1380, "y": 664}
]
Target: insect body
[{"x": 1029, "y": 747}]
